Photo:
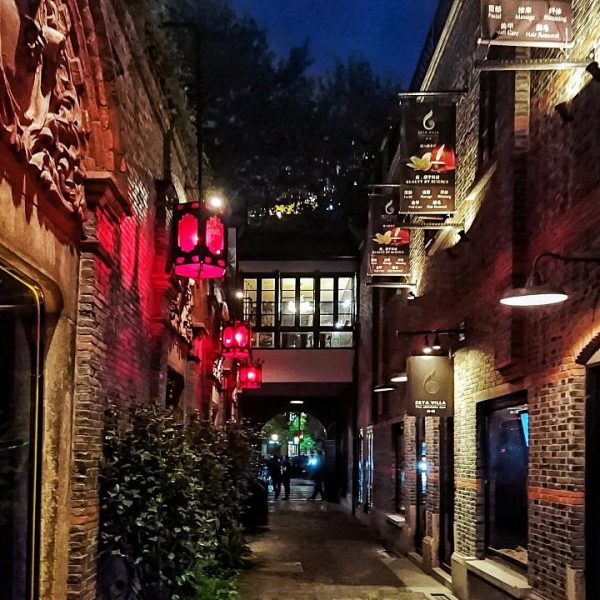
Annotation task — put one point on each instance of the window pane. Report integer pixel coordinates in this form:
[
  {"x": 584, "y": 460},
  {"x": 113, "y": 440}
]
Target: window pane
[
  {"x": 264, "y": 340},
  {"x": 288, "y": 302},
  {"x": 267, "y": 305},
  {"x": 336, "y": 339},
  {"x": 327, "y": 283},
  {"x": 268, "y": 284},
  {"x": 297, "y": 340},
  {"x": 250, "y": 300}
]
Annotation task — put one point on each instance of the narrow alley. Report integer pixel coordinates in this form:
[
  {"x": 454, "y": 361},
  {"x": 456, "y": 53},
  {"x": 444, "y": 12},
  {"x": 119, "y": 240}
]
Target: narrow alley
[{"x": 316, "y": 550}]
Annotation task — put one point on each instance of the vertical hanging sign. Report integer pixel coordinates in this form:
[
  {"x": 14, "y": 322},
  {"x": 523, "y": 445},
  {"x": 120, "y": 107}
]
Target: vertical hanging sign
[
  {"x": 534, "y": 23},
  {"x": 427, "y": 145},
  {"x": 430, "y": 386},
  {"x": 388, "y": 243}
]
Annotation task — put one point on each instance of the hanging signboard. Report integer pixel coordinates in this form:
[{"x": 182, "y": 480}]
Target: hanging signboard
[
  {"x": 535, "y": 23},
  {"x": 427, "y": 144},
  {"x": 430, "y": 386},
  {"x": 388, "y": 244}
]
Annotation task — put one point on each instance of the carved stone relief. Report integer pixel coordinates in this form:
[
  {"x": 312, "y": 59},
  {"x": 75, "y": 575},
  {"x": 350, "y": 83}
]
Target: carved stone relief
[{"x": 40, "y": 112}]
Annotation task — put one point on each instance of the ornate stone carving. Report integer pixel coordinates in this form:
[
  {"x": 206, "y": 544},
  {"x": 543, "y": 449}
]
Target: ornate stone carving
[{"x": 40, "y": 111}]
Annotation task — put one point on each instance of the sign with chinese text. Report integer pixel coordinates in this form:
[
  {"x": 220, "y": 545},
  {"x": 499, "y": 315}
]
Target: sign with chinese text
[
  {"x": 388, "y": 244},
  {"x": 537, "y": 23},
  {"x": 428, "y": 170},
  {"x": 430, "y": 386}
]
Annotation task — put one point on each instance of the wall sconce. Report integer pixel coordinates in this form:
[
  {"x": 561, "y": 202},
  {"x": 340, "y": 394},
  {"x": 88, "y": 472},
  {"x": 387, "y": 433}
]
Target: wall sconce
[
  {"x": 379, "y": 389},
  {"x": 399, "y": 378},
  {"x": 460, "y": 331},
  {"x": 594, "y": 70},
  {"x": 563, "y": 110},
  {"x": 411, "y": 295},
  {"x": 536, "y": 292}
]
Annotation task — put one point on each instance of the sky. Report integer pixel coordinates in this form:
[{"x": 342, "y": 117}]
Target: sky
[{"x": 389, "y": 33}]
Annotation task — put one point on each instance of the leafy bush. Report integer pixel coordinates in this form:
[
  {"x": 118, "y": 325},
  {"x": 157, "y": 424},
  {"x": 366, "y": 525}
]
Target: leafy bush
[{"x": 171, "y": 499}]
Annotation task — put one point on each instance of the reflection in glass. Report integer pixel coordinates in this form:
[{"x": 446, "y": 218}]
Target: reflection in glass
[{"x": 19, "y": 379}]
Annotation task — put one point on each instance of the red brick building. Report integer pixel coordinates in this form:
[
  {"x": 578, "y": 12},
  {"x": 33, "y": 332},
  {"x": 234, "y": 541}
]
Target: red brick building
[
  {"x": 500, "y": 500},
  {"x": 92, "y": 161}
]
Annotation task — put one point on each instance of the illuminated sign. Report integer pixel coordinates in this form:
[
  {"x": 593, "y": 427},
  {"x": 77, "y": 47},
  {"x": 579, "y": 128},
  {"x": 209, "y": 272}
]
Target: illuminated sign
[
  {"x": 388, "y": 243},
  {"x": 428, "y": 159},
  {"x": 430, "y": 386},
  {"x": 536, "y": 23}
]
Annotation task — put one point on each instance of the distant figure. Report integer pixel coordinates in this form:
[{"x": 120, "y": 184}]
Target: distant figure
[
  {"x": 275, "y": 473},
  {"x": 317, "y": 477},
  {"x": 286, "y": 475}
]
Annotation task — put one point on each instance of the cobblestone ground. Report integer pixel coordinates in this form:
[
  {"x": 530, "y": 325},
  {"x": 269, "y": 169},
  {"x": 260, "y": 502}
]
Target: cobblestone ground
[{"x": 315, "y": 550}]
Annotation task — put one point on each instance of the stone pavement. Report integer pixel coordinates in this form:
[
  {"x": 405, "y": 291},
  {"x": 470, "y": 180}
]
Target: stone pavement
[{"x": 315, "y": 550}]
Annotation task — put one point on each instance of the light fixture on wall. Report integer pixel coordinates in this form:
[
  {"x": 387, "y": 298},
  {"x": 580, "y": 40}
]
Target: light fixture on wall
[
  {"x": 562, "y": 108},
  {"x": 538, "y": 293},
  {"x": 399, "y": 378},
  {"x": 386, "y": 387},
  {"x": 411, "y": 295},
  {"x": 594, "y": 70},
  {"x": 437, "y": 344},
  {"x": 427, "y": 349}
]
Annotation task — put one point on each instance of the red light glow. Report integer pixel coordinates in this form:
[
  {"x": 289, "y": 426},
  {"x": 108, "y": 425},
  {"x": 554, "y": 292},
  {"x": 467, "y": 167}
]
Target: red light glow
[{"x": 187, "y": 232}]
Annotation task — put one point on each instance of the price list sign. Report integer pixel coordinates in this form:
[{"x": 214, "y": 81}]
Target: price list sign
[
  {"x": 428, "y": 171},
  {"x": 534, "y": 23}
]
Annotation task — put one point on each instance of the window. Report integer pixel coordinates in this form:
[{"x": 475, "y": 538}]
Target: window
[
  {"x": 487, "y": 116},
  {"x": 20, "y": 408},
  {"x": 399, "y": 466},
  {"x": 301, "y": 311},
  {"x": 505, "y": 434}
]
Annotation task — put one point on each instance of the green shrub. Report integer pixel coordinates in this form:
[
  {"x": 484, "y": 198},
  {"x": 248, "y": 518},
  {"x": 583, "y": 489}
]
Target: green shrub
[{"x": 171, "y": 498}]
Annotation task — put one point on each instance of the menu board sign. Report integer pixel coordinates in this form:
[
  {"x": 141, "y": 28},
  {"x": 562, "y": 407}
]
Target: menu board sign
[
  {"x": 536, "y": 23},
  {"x": 428, "y": 171},
  {"x": 388, "y": 243},
  {"x": 430, "y": 386}
]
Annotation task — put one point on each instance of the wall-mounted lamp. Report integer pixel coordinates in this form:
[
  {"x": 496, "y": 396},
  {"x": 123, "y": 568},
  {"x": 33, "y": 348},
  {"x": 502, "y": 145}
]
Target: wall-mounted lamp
[
  {"x": 594, "y": 70},
  {"x": 399, "y": 378},
  {"x": 411, "y": 295},
  {"x": 379, "y": 389},
  {"x": 563, "y": 110},
  {"x": 427, "y": 349},
  {"x": 536, "y": 292},
  {"x": 437, "y": 344}
]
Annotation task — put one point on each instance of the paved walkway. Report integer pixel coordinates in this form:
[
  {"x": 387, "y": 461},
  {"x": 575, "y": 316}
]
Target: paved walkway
[{"x": 315, "y": 550}]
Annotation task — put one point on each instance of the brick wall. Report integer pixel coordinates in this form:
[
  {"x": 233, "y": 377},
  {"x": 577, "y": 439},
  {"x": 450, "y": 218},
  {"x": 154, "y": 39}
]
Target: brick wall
[{"x": 541, "y": 191}]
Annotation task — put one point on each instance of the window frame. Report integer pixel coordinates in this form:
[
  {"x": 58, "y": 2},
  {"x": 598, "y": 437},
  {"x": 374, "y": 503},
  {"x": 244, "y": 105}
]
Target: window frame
[{"x": 316, "y": 329}]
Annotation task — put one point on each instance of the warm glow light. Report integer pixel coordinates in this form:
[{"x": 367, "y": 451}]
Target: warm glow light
[
  {"x": 427, "y": 350},
  {"x": 291, "y": 305},
  {"x": 533, "y": 296},
  {"x": 399, "y": 378},
  {"x": 296, "y": 401},
  {"x": 239, "y": 294},
  {"x": 275, "y": 437},
  {"x": 216, "y": 202},
  {"x": 296, "y": 440},
  {"x": 383, "y": 388}
]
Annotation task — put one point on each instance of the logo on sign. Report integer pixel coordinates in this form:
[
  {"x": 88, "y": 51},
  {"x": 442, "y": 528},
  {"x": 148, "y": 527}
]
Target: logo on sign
[
  {"x": 428, "y": 122},
  {"x": 430, "y": 385}
]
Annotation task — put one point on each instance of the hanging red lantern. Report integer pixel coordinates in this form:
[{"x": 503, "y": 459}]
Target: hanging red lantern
[
  {"x": 237, "y": 340},
  {"x": 251, "y": 376},
  {"x": 201, "y": 246}
]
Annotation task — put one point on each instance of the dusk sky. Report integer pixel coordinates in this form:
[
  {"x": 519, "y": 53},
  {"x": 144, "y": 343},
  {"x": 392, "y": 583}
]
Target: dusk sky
[{"x": 389, "y": 33}]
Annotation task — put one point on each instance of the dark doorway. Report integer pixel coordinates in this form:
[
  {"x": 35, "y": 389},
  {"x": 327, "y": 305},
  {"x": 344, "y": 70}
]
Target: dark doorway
[
  {"x": 20, "y": 434},
  {"x": 592, "y": 484},
  {"x": 446, "y": 547},
  {"x": 421, "y": 467},
  {"x": 505, "y": 442},
  {"x": 175, "y": 385}
]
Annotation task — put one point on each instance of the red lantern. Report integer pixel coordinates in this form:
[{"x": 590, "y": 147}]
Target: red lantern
[
  {"x": 201, "y": 246},
  {"x": 251, "y": 376},
  {"x": 237, "y": 340}
]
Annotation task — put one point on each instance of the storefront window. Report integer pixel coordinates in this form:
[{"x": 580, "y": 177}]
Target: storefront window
[
  {"x": 20, "y": 379},
  {"x": 506, "y": 444}
]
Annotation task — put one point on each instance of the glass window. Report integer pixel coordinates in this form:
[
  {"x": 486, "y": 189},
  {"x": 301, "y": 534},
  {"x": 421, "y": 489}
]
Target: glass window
[
  {"x": 250, "y": 300},
  {"x": 20, "y": 374},
  {"x": 507, "y": 454},
  {"x": 288, "y": 302},
  {"x": 345, "y": 306},
  {"x": 307, "y": 301},
  {"x": 326, "y": 302},
  {"x": 267, "y": 302},
  {"x": 263, "y": 339},
  {"x": 297, "y": 340}
]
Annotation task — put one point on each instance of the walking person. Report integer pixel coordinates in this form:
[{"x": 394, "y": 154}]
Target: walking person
[
  {"x": 317, "y": 477},
  {"x": 275, "y": 473},
  {"x": 286, "y": 476}
]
